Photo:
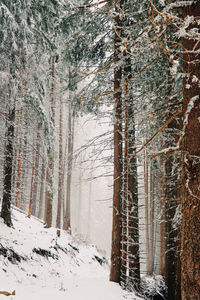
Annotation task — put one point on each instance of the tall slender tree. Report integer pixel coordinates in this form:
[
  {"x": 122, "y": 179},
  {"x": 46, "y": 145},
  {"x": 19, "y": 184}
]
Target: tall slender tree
[
  {"x": 117, "y": 192},
  {"x": 7, "y": 197}
]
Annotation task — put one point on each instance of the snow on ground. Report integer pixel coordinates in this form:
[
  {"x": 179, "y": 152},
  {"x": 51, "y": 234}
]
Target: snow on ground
[{"x": 70, "y": 270}]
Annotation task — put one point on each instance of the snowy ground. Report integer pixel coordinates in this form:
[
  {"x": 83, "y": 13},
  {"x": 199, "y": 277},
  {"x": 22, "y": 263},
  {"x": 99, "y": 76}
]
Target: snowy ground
[{"x": 70, "y": 269}]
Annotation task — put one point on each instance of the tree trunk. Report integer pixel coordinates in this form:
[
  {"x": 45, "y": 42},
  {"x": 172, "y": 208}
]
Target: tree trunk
[
  {"x": 162, "y": 220},
  {"x": 70, "y": 144},
  {"x": 171, "y": 234},
  {"x": 124, "y": 263},
  {"x": 190, "y": 238},
  {"x": 133, "y": 217},
  {"x": 60, "y": 175},
  {"x": 42, "y": 186},
  {"x": 146, "y": 195},
  {"x": 36, "y": 167},
  {"x": 50, "y": 165},
  {"x": 19, "y": 159},
  {"x": 24, "y": 172},
  {"x": 151, "y": 229},
  {"x": 31, "y": 190},
  {"x": 115, "y": 271},
  {"x": 7, "y": 187}
]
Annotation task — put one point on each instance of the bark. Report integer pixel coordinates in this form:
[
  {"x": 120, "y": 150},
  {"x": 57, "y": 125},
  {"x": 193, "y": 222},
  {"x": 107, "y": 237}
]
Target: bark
[
  {"x": 60, "y": 175},
  {"x": 162, "y": 220},
  {"x": 19, "y": 159},
  {"x": 70, "y": 143},
  {"x": 50, "y": 164},
  {"x": 124, "y": 264},
  {"x": 42, "y": 186},
  {"x": 115, "y": 271},
  {"x": 171, "y": 242},
  {"x": 133, "y": 218},
  {"x": 8, "y": 163},
  {"x": 31, "y": 190},
  {"x": 151, "y": 229},
  {"x": 146, "y": 192},
  {"x": 49, "y": 192},
  {"x": 172, "y": 198},
  {"x": 36, "y": 167},
  {"x": 190, "y": 239},
  {"x": 24, "y": 172}
]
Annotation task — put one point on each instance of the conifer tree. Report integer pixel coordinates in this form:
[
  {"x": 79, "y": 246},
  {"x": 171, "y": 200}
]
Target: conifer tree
[{"x": 190, "y": 237}]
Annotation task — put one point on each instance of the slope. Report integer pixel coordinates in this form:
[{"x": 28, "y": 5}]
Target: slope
[{"x": 37, "y": 264}]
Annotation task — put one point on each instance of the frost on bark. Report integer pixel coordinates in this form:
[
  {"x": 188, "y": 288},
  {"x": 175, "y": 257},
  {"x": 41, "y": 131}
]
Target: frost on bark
[
  {"x": 190, "y": 239},
  {"x": 132, "y": 190},
  {"x": 116, "y": 229},
  {"x": 50, "y": 165},
  {"x": 19, "y": 158},
  {"x": 8, "y": 163}
]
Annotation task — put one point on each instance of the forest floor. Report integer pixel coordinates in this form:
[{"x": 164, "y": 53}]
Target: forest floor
[{"x": 37, "y": 264}]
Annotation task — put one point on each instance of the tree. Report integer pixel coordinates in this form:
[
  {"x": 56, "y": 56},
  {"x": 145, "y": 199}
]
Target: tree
[
  {"x": 6, "y": 203},
  {"x": 50, "y": 164},
  {"x": 115, "y": 271},
  {"x": 190, "y": 228}
]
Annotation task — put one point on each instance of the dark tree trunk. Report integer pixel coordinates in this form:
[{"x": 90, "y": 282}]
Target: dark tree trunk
[
  {"x": 172, "y": 200},
  {"x": 115, "y": 271},
  {"x": 19, "y": 158},
  {"x": 171, "y": 239},
  {"x": 133, "y": 218},
  {"x": 50, "y": 166},
  {"x": 8, "y": 163},
  {"x": 190, "y": 237},
  {"x": 124, "y": 263}
]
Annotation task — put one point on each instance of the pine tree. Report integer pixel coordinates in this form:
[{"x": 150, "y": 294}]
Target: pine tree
[
  {"x": 190, "y": 237},
  {"x": 115, "y": 271}
]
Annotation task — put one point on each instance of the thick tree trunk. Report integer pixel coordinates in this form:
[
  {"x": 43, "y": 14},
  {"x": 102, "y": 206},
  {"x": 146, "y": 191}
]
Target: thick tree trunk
[
  {"x": 172, "y": 197},
  {"x": 7, "y": 187},
  {"x": 133, "y": 217},
  {"x": 115, "y": 271},
  {"x": 190, "y": 239}
]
